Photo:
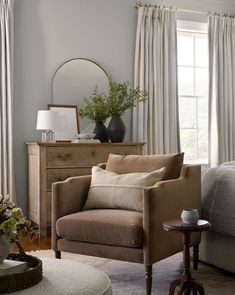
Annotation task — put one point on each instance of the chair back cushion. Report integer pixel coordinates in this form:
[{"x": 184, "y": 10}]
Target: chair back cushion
[
  {"x": 119, "y": 191},
  {"x": 146, "y": 163}
]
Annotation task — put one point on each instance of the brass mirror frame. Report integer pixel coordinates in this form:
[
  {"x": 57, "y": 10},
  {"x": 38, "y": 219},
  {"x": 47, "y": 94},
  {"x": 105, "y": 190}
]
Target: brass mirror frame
[{"x": 69, "y": 60}]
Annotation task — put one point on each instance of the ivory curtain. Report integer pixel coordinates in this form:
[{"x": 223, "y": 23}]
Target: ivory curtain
[
  {"x": 156, "y": 121},
  {"x": 221, "y": 89},
  {"x": 6, "y": 144}
]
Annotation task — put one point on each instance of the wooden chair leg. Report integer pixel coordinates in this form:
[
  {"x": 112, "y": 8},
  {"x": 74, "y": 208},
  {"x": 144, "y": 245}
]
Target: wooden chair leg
[
  {"x": 57, "y": 254},
  {"x": 195, "y": 256},
  {"x": 148, "y": 278}
]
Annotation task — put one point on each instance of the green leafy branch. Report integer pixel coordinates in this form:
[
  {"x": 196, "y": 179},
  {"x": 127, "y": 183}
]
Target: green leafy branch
[
  {"x": 95, "y": 108},
  {"x": 120, "y": 97},
  {"x": 12, "y": 221}
]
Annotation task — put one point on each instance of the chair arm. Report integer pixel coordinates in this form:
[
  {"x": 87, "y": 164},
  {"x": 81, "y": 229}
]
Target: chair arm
[
  {"x": 68, "y": 197},
  {"x": 163, "y": 202}
]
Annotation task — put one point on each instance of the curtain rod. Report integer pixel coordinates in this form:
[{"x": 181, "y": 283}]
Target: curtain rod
[{"x": 183, "y": 10}]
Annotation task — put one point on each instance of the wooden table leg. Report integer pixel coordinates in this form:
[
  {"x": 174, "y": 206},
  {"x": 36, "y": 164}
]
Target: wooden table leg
[
  {"x": 186, "y": 284},
  {"x": 198, "y": 287},
  {"x": 195, "y": 256},
  {"x": 186, "y": 276},
  {"x": 187, "y": 288},
  {"x": 173, "y": 285}
]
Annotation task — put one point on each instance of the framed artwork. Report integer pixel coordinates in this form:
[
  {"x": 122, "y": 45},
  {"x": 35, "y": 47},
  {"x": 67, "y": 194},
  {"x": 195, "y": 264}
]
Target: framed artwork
[{"x": 69, "y": 121}]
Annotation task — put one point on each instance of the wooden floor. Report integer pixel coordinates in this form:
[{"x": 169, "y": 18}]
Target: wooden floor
[{"x": 37, "y": 244}]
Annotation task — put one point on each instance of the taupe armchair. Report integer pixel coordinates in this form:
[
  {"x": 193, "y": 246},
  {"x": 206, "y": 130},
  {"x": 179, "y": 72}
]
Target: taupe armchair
[{"x": 121, "y": 234}]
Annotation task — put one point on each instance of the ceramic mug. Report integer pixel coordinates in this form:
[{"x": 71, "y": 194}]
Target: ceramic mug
[{"x": 190, "y": 216}]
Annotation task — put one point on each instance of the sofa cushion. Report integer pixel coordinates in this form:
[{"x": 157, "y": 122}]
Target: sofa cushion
[
  {"x": 141, "y": 163},
  {"x": 119, "y": 191},
  {"x": 110, "y": 227}
]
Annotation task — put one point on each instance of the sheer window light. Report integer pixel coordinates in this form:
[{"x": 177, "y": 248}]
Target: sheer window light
[{"x": 193, "y": 81}]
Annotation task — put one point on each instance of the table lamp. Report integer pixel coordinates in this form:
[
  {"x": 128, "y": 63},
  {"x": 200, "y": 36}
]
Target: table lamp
[{"x": 48, "y": 121}]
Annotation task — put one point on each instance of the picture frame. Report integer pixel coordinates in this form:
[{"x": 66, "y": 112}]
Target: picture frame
[{"x": 69, "y": 121}]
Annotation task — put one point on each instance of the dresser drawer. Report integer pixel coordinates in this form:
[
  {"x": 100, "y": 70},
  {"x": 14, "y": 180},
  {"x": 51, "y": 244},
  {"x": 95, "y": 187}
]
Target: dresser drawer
[
  {"x": 54, "y": 175},
  {"x": 82, "y": 156}
]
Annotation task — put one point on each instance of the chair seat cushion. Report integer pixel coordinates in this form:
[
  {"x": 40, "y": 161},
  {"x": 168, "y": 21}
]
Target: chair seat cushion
[{"x": 103, "y": 226}]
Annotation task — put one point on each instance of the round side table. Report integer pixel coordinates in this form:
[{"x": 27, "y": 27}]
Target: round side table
[{"x": 186, "y": 283}]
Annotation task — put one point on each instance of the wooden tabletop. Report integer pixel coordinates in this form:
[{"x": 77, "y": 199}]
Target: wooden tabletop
[
  {"x": 178, "y": 225},
  {"x": 69, "y": 143}
]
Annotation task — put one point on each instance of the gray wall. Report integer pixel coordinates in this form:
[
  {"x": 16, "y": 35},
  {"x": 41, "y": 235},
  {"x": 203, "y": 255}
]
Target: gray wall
[{"x": 48, "y": 32}]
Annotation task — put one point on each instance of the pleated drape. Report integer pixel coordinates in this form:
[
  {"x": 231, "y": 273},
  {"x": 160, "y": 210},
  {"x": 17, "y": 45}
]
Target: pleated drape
[
  {"x": 221, "y": 89},
  {"x": 156, "y": 121},
  {"x": 6, "y": 138}
]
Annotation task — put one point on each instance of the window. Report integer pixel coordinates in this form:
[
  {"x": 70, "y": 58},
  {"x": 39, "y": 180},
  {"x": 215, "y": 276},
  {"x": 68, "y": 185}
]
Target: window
[{"x": 192, "y": 43}]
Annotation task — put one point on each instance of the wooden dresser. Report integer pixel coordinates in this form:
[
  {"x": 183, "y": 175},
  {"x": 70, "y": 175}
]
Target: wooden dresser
[{"x": 51, "y": 162}]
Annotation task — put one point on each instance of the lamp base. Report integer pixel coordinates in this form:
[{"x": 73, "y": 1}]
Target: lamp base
[{"x": 48, "y": 136}]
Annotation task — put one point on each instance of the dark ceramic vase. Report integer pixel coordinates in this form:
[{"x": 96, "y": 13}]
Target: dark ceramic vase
[
  {"x": 116, "y": 129},
  {"x": 101, "y": 132}
]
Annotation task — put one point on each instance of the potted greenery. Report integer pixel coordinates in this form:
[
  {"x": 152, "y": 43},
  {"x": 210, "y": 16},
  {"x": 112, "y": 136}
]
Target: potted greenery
[
  {"x": 12, "y": 226},
  {"x": 120, "y": 98},
  {"x": 101, "y": 106},
  {"x": 95, "y": 109}
]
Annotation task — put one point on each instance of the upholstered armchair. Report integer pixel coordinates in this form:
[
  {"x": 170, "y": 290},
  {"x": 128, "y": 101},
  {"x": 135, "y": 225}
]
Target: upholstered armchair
[{"x": 122, "y": 234}]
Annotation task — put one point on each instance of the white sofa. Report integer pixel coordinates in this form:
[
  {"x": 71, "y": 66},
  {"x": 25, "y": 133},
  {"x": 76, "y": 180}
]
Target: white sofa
[
  {"x": 218, "y": 206},
  {"x": 218, "y": 249}
]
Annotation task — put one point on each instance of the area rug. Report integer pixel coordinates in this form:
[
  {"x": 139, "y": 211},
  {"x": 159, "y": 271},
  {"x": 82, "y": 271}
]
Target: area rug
[{"x": 128, "y": 278}]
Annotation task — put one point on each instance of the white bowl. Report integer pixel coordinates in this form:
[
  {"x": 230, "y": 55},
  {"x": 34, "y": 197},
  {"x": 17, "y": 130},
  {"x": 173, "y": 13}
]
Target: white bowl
[
  {"x": 85, "y": 136},
  {"x": 190, "y": 216}
]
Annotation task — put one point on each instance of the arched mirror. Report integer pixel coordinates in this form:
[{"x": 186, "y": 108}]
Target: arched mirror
[{"x": 75, "y": 79}]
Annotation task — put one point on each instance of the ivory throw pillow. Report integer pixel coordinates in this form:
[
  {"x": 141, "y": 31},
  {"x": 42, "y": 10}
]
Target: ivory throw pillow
[
  {"x": 146, "y": 163},
  {"x": 110, "y": 190}
]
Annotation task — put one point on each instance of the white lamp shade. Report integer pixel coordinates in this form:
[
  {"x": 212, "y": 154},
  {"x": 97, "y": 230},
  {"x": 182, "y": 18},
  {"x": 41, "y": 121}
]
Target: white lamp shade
[{"x": 47, "y": 120}]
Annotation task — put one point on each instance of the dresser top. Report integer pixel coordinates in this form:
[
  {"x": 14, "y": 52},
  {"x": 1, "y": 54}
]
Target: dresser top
[{"x": 106, "y": 144}]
